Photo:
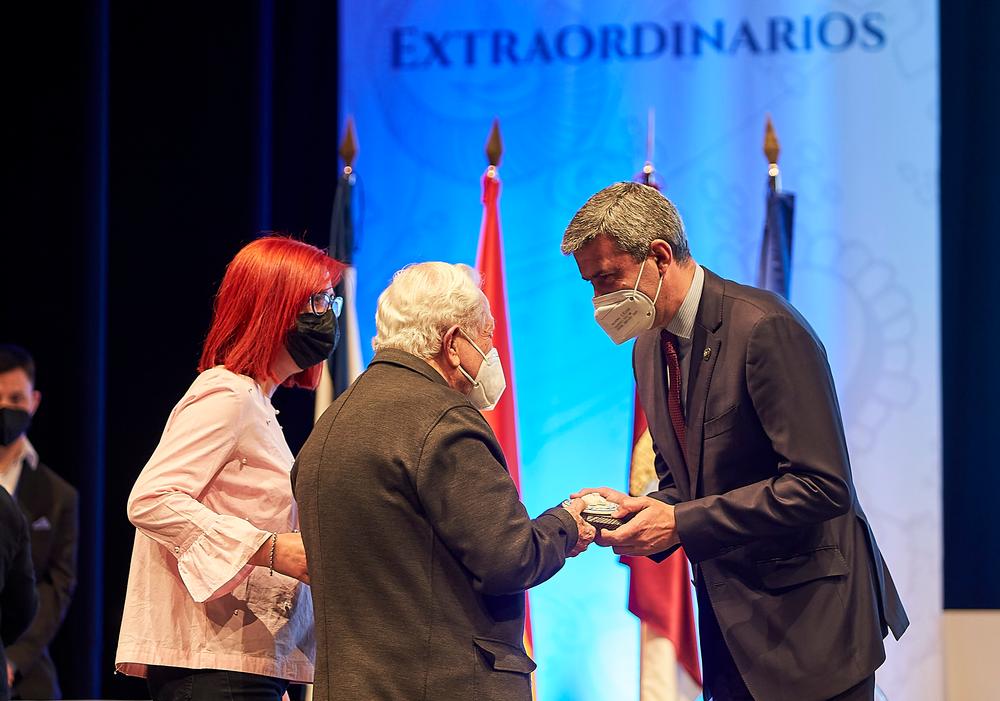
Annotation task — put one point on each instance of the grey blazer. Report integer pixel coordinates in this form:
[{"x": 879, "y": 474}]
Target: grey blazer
[
  {"x": 766, "y": 507},
  {"x": 419, "y": 548}
]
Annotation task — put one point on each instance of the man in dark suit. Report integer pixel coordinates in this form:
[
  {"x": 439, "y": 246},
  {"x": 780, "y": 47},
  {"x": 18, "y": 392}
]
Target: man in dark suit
[
  {"x": 419, "y": 549},
  {"x": 18, "y": 599},
  {"x": 49, "y": 505},
  {"x": 755, "y": 482}
]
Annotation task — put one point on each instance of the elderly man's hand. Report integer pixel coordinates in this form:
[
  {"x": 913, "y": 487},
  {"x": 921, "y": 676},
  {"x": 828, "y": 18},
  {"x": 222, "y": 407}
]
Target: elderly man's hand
[
  {"x": 585, "y": 530},
  {"x": 651, "y": 529}
]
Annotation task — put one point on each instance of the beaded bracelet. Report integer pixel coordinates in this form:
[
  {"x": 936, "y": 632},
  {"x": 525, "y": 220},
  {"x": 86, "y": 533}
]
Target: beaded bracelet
[{"x": 274, "y": 542}]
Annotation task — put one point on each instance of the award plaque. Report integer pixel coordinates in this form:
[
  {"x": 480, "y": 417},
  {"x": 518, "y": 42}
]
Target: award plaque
[{"x": 598, "y": 512}]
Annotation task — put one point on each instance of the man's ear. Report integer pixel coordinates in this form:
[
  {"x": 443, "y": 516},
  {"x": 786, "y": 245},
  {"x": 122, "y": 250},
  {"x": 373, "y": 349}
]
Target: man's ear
[
  {"x": 36, "y": 399},
  {"x": 448, "y": 344},
  {"x": 663, "y": 254}
]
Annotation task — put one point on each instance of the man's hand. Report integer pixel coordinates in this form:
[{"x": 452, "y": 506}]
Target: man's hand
[
  {"x": 585, "y": 530},
  {"x": 606, "y": 492},
  {"x": 651, "y": 529}
]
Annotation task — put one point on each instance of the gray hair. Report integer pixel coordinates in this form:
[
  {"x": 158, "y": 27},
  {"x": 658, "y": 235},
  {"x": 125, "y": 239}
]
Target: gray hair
[
  {"x": 425, "y": 299},
  {"x": 632, "y": 215}
]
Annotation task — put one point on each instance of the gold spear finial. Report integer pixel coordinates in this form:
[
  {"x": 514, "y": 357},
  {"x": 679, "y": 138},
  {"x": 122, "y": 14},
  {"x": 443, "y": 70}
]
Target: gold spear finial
[
  {"x": 494, "y": 148},
  {"x": 771, "y": 150},
  {"x": 349, "y": 146}
]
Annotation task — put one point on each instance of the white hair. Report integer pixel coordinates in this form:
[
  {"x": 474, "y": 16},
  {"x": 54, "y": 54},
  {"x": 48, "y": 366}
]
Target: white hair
[{"x": 423, "y": 301}]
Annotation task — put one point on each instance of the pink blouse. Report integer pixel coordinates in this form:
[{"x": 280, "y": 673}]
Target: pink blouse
[{"x": 214, "y": 490}]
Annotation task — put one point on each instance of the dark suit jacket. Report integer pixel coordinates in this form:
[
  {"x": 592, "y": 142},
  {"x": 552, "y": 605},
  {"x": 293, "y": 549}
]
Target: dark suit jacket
[
  {"x": 419, "y": 548},
  {"x": 765, "y": 505},
  {"x": 18, "y": 600},
  {"x": 49, "y": 504}
]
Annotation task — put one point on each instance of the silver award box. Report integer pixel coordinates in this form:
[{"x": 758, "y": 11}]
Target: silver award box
[{"x": 599, "y": 515}]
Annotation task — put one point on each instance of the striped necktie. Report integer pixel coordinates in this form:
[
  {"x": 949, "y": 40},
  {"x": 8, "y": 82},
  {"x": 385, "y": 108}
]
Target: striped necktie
[{"x": 674, "y": 406}]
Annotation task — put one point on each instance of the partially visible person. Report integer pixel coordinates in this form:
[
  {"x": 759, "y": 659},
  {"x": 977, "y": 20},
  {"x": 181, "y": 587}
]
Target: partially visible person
[
  {"x": 50, "y": 506},
  {"x": 217, "y": 605},
  {"x": 419, "y": 548},
  {"x": 18, "y": 599}
]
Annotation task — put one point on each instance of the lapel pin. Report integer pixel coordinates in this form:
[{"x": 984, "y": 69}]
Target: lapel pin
[{"x": 706, "y": 354}]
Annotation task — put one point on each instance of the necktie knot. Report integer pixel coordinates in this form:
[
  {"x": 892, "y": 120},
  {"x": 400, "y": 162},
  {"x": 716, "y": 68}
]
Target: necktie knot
[{"x": 670, "y": 345}]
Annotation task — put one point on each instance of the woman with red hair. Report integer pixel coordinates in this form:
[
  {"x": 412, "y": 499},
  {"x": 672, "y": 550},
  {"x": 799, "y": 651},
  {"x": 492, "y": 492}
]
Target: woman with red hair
[{"x": 216, "y": 606}]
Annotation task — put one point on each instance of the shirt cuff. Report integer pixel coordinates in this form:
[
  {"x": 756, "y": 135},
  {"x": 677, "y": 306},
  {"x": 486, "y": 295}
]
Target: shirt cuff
[{"x": 216, "y": 561}]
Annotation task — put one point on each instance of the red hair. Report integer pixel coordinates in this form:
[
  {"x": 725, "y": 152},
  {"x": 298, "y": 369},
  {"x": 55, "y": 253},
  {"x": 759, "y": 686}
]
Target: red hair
[{"x": 265, "y": 288}]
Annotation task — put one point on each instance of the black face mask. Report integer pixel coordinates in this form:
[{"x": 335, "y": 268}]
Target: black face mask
[
  {"x": 13, "y": 424},
  {"x": 313, "y": 339}
]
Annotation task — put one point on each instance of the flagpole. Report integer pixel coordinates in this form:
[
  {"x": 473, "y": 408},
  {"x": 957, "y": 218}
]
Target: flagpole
[
  {"x": 647, "y": 177},
  {"x": 342, "y": 248},
  {"x": 490, "y": 264},
  {"x": 348, "y": 151},
  {"x": 659, "y": 593},
  {"x": 352, "y": 364}
]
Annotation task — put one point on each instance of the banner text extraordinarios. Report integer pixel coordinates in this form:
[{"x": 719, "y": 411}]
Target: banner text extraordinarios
[{"x": 414, "y": 48}]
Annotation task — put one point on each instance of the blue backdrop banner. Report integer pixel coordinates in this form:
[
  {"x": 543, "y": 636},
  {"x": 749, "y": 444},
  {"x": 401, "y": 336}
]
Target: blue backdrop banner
[{"x": 852, "y": 88}]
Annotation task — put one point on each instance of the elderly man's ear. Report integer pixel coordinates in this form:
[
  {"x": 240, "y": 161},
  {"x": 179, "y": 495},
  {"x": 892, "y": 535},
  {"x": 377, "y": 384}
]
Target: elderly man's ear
[{"x": 448, "y": 344}]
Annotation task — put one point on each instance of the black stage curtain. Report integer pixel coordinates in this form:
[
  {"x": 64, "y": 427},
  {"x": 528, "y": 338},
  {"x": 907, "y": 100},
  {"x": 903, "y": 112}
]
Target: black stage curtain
[
  {"x": 970, "y": 295},
  {"x": 219, "y": 121}
]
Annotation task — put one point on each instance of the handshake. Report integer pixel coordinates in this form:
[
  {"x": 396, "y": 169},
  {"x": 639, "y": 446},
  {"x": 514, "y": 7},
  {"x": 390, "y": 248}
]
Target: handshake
[{"x": 630, "y": 525}]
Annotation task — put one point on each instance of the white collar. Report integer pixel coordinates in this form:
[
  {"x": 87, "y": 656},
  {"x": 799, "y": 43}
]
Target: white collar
[{"x": 682, "y": 325}]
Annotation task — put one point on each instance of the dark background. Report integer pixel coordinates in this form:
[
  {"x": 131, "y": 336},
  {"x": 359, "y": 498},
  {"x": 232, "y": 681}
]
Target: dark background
[{"x": 151, "y": 141}]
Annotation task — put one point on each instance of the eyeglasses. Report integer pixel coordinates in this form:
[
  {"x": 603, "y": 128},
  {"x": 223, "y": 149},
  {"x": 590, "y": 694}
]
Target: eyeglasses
[{"x": 322, "y": 302}]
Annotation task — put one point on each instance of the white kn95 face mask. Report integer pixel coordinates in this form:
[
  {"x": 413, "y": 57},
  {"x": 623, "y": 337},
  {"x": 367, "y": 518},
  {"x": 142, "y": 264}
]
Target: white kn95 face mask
[
  {"x": 624, "y": 314},
  {"x": 489, "y": 383}
]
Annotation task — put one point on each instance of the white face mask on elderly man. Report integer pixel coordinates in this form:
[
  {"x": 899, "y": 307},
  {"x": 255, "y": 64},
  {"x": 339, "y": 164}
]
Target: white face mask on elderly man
[
  {"x": 489, "y": 383},
  {"x": 624, "y": 314}
]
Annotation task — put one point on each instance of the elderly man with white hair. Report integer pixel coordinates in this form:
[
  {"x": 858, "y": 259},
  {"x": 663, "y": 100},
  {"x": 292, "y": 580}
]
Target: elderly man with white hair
[{"x": 419, "y": 548}]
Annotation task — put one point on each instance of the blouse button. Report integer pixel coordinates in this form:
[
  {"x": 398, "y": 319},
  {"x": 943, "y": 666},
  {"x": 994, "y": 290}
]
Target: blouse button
[
  {"x": 244, "y": 461},
  {"x": 177, "y": 549}
]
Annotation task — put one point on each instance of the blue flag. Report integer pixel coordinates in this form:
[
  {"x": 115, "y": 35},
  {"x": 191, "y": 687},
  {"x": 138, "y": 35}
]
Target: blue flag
[
  {"x": 345, "y": 363},
  {"x": 775, "y": 269}
]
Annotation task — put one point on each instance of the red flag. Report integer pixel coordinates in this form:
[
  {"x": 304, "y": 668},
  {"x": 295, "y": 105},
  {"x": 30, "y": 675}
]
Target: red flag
[
  {"x": 489, "y": 263},
  {"x": 660, "y": 596}
]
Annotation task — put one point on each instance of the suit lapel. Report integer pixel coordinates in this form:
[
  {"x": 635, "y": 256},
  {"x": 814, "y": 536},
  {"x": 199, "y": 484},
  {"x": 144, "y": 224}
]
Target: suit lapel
[
  {"x": 34, "y": 498},
  {"x": 654, "y": 388},
  {"x": 705, "y": 346},
  {"x": 698, "y": 341},
  {"x": 696, "y": 409}
]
